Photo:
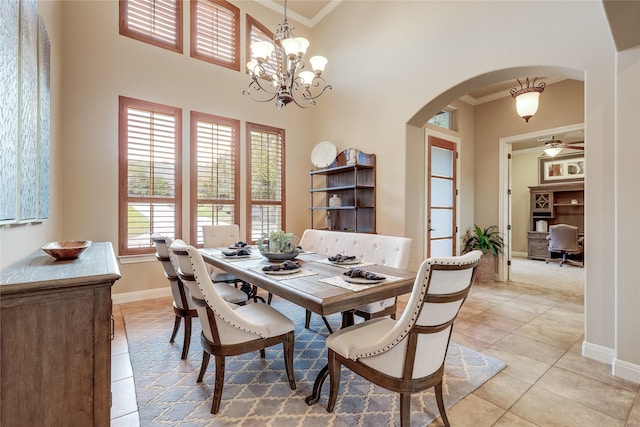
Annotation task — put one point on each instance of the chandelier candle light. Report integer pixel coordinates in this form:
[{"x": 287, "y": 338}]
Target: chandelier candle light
[
  {"x": 527, "y": 98},
  {"x": 292, "y": 81}
]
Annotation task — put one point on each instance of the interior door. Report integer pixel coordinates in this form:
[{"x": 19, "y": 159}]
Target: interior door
[{"x": 441, "y": 198}]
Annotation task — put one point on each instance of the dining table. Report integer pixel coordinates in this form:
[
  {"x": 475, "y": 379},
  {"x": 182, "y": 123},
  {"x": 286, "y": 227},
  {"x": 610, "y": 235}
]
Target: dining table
[{"x": 318, "y": 285}]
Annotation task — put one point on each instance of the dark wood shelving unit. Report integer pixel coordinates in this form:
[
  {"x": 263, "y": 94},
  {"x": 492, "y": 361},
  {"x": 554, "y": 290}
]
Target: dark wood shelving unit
[
  {"x": 553, "y": 204},
  {"x": 355, "y": 185}
]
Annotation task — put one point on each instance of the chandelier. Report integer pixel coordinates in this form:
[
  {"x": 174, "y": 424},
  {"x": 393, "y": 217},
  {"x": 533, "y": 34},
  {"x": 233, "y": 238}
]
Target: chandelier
[
  {"x": 292, "y": 81},
  {"x": 527, "y": 98}
]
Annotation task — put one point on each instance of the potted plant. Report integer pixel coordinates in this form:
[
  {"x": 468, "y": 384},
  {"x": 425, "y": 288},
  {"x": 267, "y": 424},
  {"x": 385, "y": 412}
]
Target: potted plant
[
  {"x": 491, "y": 243},
  {"x": 278, "y": 245}
]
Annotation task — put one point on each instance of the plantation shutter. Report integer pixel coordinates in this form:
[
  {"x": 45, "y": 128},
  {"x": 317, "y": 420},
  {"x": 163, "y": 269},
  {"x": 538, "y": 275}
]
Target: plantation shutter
[
  {"x": 257, "y": 32},
  {"x": 215, "y": 32},
  {"x": 158, "y": 22},
  {"x": 150, "y": 183},
  {"x": 215, "y": 168},
  {"x": 266, "y": 176}
]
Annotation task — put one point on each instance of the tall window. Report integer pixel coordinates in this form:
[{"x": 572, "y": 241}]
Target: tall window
[
  {"x": 150, "y": 188},
  {"x": 158, "y": 22},
  {"x": 215, "y": 168},
  {"x": 215, "y": 32},
  {"x": 266, "y": 204},
  {"x": 256, "y": 32}
]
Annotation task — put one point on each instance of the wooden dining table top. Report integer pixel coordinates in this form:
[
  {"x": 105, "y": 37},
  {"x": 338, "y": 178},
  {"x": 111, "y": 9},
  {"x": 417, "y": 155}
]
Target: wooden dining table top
[{"x": 308, "y": 291}]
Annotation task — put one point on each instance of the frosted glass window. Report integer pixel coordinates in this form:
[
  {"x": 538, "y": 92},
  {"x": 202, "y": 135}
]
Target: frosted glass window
[
  {"x": 444, "y": 220},
  {"x": 441, "y": 192},
  {"x": 441, "y": 162},
  {"x": 441, "y": 248}
]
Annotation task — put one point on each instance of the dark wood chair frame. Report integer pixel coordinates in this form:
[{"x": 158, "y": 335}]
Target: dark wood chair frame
[
  {"x": 405, "y": 385},
  {"x": 221, "y": 351},
  {"x": 180, "y": 312}
]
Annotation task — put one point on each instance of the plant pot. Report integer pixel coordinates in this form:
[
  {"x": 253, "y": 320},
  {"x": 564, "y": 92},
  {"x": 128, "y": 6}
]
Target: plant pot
[{"x": 486, "y": 271}]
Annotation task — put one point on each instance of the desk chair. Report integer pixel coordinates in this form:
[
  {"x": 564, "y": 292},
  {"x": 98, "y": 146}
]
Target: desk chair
[
  {"x": 564, "y": 239},
  {"x": 407, "y": 355}
]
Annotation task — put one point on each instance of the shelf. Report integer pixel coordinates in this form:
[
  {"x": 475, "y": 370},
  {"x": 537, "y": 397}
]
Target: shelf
[
  {"x": 568, "y": 204},
  {"x": 341, "y": 188},
  {"x": 354, "y": 184}
]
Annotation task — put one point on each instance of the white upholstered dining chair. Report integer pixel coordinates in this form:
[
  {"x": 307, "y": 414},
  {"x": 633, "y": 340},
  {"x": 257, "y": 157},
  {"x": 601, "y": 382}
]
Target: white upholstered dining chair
[
  {"x": 227, "y": 330},
  {"x": 391, "y": 251},
  {"x": 221, "y": 236},
  {"x": 407, "y": 355},
  {"x": 183, "y": 306}
]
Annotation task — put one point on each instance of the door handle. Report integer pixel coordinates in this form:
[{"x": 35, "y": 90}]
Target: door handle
[{"x": 431, "y": 229}]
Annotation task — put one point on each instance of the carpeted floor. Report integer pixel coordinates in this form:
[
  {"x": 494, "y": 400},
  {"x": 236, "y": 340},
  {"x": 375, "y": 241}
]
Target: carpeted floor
[
  {"x": 256, "y": 391},
  {"x": 567, "y": 279}
]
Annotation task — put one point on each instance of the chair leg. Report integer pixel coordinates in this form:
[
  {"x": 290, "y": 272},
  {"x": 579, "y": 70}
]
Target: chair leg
[
  {"x": 405, "y": 409},
  {"x": 203, "y": 366},
  {"x": 217, "y": 388},
  {"x": 187, "y": 337},
  {"x": 440, "y": 400},
  {"x": 263, "y": 354},
  {"x": 335, "y": 369},
  {"x": 176, "y": 326},
  {"x": 287, "y": 346}
]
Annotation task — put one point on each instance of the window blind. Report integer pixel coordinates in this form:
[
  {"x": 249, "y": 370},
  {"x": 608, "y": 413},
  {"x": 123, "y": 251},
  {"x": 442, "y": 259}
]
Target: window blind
[
  {"x": 257, "y": 32},
  {"x": 158, "y": 22},
  {"x": 215, "y": 169},
  {"x": 266, "y": 172},
  {"x": 150, "y": 187},
  {"x": 215, "y": 32}
]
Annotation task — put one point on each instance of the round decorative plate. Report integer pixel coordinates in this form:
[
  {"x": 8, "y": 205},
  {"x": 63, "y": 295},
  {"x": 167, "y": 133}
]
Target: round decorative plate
[
  {"x": 282, "y": 272},
  {"x": 323, "y": 154},
  {"x": 361, "y": 280}
]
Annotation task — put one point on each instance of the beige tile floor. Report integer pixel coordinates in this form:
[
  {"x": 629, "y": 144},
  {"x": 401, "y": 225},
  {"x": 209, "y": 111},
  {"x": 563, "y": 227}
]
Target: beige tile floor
[{"x": 537, "y": 332}]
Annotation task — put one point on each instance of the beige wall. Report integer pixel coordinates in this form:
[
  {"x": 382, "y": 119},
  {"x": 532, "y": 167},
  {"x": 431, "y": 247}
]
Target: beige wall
[{"x": 524, "y": 173}]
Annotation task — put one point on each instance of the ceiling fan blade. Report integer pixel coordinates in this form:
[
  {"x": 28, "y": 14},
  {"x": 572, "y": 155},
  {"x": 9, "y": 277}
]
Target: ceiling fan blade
[{"x": 578, "y": 145}]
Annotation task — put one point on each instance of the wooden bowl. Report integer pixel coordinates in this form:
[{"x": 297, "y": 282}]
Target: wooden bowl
[{"x": 66, "y": 249}]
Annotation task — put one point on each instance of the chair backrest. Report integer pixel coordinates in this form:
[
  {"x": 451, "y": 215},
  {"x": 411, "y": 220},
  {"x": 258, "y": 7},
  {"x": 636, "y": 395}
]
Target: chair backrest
[
  {"x": 391, "y": 251},
  {"x": 181, "y": 296},
  {"x": 421, "y": 335},
  {"x": 220, "y": 323},
  {"x": 217, "y": 236},
  {"x": 563, "y": 238}
]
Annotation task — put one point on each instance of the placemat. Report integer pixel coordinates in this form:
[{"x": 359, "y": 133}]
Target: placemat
[{"x": 339, "y": 281}]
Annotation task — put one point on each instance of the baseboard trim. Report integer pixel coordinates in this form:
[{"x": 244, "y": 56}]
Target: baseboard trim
[
  {"x": 597, "y": 352},
  {"x": 140, "y": 295},
  {"x": 626, "y": 370},
  {"x": 518, "y": 254}
]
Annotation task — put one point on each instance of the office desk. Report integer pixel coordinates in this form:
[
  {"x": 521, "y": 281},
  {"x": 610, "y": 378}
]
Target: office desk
[{"x": 309, "y": 292}]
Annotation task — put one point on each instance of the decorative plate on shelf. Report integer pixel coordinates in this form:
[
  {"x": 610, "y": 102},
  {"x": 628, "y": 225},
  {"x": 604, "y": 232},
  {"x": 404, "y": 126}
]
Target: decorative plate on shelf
[{"x": 323, "y": 154}]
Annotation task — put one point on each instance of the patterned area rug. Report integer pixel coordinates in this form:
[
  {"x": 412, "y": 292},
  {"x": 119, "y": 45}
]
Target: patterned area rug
[{"x": 256, "y": 391}]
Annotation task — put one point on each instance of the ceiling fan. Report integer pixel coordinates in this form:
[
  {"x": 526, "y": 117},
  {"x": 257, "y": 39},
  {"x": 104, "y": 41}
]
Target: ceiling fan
[{"x": 553, "y": 147}]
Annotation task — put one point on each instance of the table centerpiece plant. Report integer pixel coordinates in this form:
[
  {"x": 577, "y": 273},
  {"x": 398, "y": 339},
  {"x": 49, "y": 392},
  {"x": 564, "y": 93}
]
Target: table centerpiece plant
[{"x": 278, "y": 245}]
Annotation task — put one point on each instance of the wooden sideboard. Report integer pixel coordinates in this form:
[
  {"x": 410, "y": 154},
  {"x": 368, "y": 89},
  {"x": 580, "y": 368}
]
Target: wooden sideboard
[
  {"x": 554, "y": 204},
  {"x": 56, "y": 330}
]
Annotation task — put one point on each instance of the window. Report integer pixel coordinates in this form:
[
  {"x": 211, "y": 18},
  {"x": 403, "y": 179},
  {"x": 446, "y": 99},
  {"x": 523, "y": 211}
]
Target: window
[
  {"x": 150, "y": 170},
  {"x": 266, "y": 177},
  {"x": 158, "y": 22},
  {"x": 446, "y": 119},
  {"x": 257, "y": 32},
  {"x": 215, "y": 32},
  {"x": 215, "y": 169}
]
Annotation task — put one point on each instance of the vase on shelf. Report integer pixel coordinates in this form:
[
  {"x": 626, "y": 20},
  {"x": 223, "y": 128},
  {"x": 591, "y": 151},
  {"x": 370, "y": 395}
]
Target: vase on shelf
[{"x": 335, "y": 201}]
